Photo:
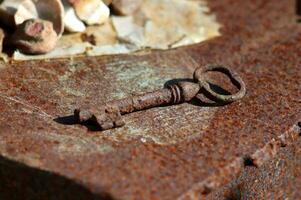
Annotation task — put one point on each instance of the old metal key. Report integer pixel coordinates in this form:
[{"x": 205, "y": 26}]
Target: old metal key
[{"x": 108, "y": 116}]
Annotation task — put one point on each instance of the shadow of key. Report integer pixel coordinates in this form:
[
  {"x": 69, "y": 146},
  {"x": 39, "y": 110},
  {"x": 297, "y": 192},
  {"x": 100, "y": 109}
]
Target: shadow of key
[
  {"x": 71, "y": 120},
  {"x": 298, "y": 10}
]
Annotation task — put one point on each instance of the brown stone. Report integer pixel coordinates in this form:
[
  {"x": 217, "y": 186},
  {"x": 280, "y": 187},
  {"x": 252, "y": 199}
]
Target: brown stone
[{"x": 35, "y": 36}]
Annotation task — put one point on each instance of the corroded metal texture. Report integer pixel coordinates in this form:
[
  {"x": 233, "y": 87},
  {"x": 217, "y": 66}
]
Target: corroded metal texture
[
  {"x": 178, "y": 152},
  {"x": 279, "y": 178}
]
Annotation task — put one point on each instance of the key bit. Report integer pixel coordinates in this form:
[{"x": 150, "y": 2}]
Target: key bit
[{"x": 109, "y": 115}]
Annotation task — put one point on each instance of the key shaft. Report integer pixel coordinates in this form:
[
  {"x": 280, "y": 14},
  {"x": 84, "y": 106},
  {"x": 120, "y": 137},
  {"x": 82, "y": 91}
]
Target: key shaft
[
  {"x": 174, "y": 94},
  {"x": 109, "y": 115}
]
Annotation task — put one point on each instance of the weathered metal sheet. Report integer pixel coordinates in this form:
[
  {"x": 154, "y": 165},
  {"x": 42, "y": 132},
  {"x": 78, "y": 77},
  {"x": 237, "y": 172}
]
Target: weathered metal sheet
[
  {"x": 182, "y": 151},
  {"x": 279, "y": 178}
]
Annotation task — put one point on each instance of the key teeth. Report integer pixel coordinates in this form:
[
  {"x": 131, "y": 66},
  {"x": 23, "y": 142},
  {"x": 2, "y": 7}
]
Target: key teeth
[
  {"x": 112, "y": 118},
  {"x": 108, "y": 118}
]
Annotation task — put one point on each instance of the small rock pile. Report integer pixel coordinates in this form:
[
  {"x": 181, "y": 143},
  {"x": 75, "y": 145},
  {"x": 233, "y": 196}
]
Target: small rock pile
[
  {"x": 97, "y": 27},
  {"x": 39, "y": 24}
]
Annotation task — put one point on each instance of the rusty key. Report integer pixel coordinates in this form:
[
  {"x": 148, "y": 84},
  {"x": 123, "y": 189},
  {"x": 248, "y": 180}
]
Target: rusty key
[{"x": 109, "y": 115}]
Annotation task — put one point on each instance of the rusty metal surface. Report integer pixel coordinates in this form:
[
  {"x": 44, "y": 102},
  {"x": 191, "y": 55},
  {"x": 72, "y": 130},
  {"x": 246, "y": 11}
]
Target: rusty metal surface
[
  {"x": 278, "y": 179},
  {"x": 182, "y": 151}
]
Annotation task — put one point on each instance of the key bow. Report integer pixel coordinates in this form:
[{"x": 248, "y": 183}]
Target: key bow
[{"x": 200, "y": 76}]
